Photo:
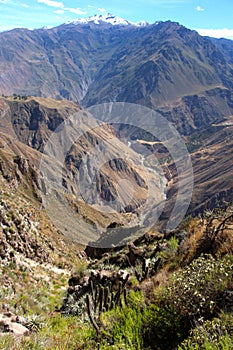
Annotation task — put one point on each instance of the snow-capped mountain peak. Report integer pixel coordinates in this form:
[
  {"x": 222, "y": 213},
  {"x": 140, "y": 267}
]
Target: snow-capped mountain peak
[{"x": 108, "y": 18}]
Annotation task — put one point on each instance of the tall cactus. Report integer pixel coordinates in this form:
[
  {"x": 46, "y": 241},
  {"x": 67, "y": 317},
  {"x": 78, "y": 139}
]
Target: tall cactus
[
  {"x": 106, "y": 297},
  {"x": 93, "y": 290},
  {"x": 101, "y": 299},
  {"x": 88, "y": 302},
  {"x": 118, "y": 294},
  {"x": 96, "y": 299},
  {"x": 125, "y": 296}
]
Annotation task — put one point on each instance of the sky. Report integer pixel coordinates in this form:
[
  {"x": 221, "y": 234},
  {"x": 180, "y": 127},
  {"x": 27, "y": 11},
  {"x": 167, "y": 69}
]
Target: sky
[{"x": 208, "y": 17}]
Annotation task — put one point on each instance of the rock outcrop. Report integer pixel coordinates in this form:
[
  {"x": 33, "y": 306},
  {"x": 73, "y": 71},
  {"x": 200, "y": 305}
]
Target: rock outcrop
[{"x": 12, "y": 324}]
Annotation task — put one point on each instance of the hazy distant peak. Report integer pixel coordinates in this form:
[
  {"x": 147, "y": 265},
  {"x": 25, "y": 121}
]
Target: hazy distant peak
[{"x": 108, "y": 18}]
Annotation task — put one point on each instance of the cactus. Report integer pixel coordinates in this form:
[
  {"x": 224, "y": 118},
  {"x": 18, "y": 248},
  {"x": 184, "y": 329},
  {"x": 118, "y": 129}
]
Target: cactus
[
  {"x": 118, "y": 293},
  {"x": 145, "y": 267},
  {"x": 108, "y": 305},
  {"x": 96, "y": 300},
  {"x": 125, "y": 296},
  {"x": 125, "y": 280},
  {"x": 120, "y": 303},
  {"x": 113, "y": 304},
  {"x": 101, "y": 299},
  {"x": 88, "y": 302},
  {"x": 106, "y": 296},
  {"x": 138, "y": 275},
  {"x": 93, "y": 290}
]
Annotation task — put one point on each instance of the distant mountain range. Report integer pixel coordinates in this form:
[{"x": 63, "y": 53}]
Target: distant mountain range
[
  {"x": 108, "y": 18},
  {"x": 107, "y": 58}
]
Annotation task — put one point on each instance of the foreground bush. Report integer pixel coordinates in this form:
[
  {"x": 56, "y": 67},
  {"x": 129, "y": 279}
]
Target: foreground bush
[
  {"x": 123, "y": 326},
  {"x": 211, "y": 335},
  {"x": 192, "y": 294}
]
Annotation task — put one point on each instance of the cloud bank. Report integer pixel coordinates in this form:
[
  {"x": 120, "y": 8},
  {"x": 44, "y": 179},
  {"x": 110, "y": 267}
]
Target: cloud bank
[
  {"x": 61, "y": 6},
  {"x": 217, "y": 33}
]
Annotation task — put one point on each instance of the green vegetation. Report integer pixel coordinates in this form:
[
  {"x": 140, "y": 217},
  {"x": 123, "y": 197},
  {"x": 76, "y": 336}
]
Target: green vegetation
[
  {"x": 190, "y": 295},
  {"x": 137, "y": 326},
  {"x": 215, "y": 334},
  {"x": 185, "y": 303}
]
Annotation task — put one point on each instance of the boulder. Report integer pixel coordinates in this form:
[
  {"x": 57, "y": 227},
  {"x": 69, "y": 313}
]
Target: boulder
[{"x": 8, "y": 325}]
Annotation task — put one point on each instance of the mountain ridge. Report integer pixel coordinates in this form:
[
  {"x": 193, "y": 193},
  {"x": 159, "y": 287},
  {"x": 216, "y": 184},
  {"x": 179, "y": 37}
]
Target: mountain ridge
[
  {"x": 94, "y": 59},
  {"x": 108, "y": 18}
]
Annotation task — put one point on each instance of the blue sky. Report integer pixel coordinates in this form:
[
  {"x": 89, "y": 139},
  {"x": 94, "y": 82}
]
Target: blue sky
[{"x": 209, "y": 17}]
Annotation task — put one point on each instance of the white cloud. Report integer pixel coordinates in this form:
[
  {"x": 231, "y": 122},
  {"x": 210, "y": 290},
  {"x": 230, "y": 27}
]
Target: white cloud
[
  {"x": 13, "y": 3},
  {"x": 52, "y": 3},
  {"x": 59, "y": 12},
  {"x": 101, "y": 9},
  {"x": 199, "y": 8},
  {"x": 217, "y": 33},
  {"x": 161, "y": 2},
  {"x": 166, "y": 3},
  {"x": 4, "y": 28},
  {"x": 77, "y": 11},
  {"x": 61, "y": 6}
]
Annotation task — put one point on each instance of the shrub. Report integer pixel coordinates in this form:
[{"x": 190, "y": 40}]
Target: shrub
[
  {"x": 211, "y": 335},
  {"x": 162, "y": 329},
  {"x": 192, "y": 294},
  {"x": 123, "y": 326}
]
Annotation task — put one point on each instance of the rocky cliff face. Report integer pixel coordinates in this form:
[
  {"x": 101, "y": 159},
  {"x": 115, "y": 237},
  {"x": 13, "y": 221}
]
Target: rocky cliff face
[
  {"x": 211, "y": 154},
  {"x": 103, "y": 187},
  {"x": 93, "y": 176},
  {"x": 197, "y": 112}
]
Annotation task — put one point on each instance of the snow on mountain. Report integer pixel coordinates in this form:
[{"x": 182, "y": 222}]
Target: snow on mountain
[{"x": 108, "y": 18}]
